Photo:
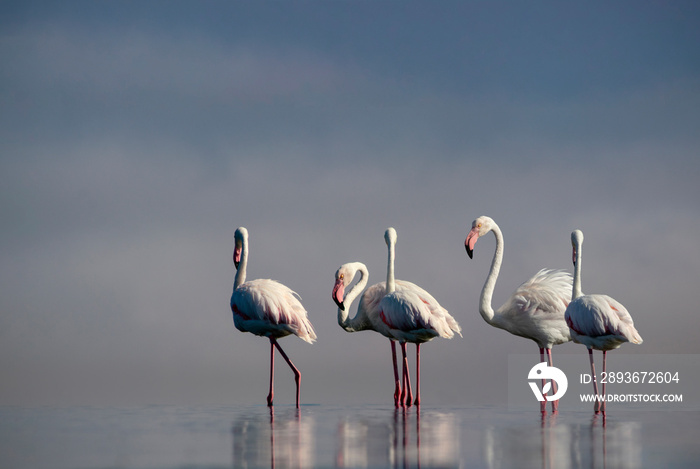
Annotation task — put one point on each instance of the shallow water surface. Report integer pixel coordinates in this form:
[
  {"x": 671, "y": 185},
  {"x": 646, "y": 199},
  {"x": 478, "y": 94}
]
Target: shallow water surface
[{"x": 354, "y": 436}]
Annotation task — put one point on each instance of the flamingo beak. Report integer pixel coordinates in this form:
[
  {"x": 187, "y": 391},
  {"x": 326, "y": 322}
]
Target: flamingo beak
[
  {"x": 470, "y": 242},
  {"x": 339, "y": 293},
  {"x": 236, "y": 256},
  {"x": 574, "y": 255}
]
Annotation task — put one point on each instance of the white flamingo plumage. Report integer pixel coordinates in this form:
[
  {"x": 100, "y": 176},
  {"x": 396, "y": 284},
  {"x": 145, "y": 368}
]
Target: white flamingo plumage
[
  {"x": 597, "y": 321},
  {"x": 368, "y": 312},
  {"x": 410, "y": 319},
  {"x": 267, "y": 308},
  {"x": 536, "y": 308}
]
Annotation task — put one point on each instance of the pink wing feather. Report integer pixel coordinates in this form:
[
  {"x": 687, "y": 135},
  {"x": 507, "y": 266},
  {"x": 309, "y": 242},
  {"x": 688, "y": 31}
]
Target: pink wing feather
[
  {"x": 268, "y": 308},
  {"x": 429, "y": 316},
  {"x": 548, "y": 291},
  {"x": 598, "y": 316}
]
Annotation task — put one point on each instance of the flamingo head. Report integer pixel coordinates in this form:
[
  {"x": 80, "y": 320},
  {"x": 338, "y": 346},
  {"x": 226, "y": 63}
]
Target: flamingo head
[
  {"x": 390, "y": 236},
  {"x": 241, "y": 237},
  {"x": 343, "y": 276},
  {"x": 480, "y": 227},
  {"x": 576, "y": 242}
]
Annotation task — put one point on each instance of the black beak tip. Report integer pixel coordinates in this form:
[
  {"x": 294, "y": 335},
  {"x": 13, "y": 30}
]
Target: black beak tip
[{"x": 470, "y": 252}]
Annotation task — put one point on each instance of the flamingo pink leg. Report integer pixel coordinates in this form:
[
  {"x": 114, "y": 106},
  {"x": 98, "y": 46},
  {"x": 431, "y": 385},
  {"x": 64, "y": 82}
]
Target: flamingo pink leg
[
  {"x": 596, "y": 406},
  {"x": 555, "y": 404},
  {"x": 295, "y": 370},
  {"x": 417, "y": 402},
  {"x": 272, "y": 372},
  {"x": 402, "y": 395},
  {"x": 397, "y": 386},
  {"x": 543, "y": 404},
  {"x": 605, "y": 355},
  {"x": 406, "y": 393}
]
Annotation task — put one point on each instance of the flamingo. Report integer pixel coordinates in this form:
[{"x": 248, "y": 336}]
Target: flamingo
[
  {"x": 267, "y": 308},
  {"x": 411, "y": 319},
  {"x": 596, "y": 321},
  {"x": 536, "y": 308},
  {"x": 367, "y": 316}
]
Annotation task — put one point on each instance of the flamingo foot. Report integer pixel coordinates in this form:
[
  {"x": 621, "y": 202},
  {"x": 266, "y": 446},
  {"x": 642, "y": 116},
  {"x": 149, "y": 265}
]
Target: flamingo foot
[
  {"x": 297, "y": 378},
  {"x": 598, "y": 406},
  {"x": 409, "y": 396},
  {"x": 272, "y": 372}
]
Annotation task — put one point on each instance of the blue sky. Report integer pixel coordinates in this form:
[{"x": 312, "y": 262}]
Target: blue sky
[{"x": 136, "y": 137}]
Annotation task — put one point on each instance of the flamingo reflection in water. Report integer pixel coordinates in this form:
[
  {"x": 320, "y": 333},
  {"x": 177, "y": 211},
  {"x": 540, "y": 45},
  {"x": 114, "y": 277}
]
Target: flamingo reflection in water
[
  {"x": 563, "y": 445},
  {"x": 403, "y": 438},
  {"x": 285, "y": 439}
]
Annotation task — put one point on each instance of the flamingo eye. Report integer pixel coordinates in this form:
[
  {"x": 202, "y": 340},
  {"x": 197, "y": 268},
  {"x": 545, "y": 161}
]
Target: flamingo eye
[{"x": 342, "y": 276}]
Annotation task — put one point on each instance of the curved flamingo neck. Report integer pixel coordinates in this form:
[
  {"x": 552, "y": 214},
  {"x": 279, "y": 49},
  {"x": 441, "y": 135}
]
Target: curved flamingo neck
[
  {"x": 576, "y": 290},
  {"x": 485, "y": 308},
  {"x": 390, "y": 281},
  {"x": 359, "y": 322},
  {"x": 243, "y": 265}
]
